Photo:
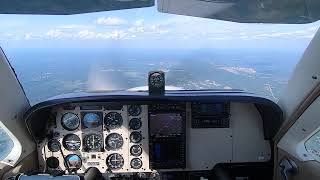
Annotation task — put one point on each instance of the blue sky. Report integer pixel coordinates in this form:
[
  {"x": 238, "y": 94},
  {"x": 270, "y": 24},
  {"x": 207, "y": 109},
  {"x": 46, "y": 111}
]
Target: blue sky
[{"x": 146, "y": 28}]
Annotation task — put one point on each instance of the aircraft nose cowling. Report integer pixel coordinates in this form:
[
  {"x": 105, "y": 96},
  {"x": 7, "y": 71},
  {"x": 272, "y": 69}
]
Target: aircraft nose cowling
[{"x": 145, "y": 88}]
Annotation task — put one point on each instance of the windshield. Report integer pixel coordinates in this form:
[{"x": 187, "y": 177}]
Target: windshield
[{"x": 115, "y": 50}]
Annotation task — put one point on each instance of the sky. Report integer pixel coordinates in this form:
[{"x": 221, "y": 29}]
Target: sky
[{"x": 146, "y": 28}]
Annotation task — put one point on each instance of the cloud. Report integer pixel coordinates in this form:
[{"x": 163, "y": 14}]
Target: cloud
[
  {"x": 54, "y": 33},
  {"x": 9, "y": 36},
  {"x": 27, "y": 36},
  {"x": 139, "y": 22},
  {"x": 239, "y": 70},
  {"x": 85, "y": 34},
  {"x": 115, "y": 34},
  {"x": 181, "y": 30},
  {"x": 110, "y": 21},
  {"x": 289, "y": 34},
  {"x": 74, "y": 26},
  {"x": 31, "y": 36}
]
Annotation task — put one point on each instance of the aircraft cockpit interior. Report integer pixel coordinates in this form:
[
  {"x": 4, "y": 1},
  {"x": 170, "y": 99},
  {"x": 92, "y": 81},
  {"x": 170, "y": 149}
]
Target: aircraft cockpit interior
[
  {"x": 156, "y": 133},
  {"x": 159, "y": 90}
]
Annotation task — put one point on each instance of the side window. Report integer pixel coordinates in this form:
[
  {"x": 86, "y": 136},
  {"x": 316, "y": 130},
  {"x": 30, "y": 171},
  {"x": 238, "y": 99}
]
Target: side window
[
  {"x": 6, "y": 143},
  {"x": 313, "y": 146}
]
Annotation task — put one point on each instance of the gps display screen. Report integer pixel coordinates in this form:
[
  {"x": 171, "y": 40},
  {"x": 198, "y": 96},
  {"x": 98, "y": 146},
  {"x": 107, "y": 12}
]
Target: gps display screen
[{"x": 165, "y": 124}]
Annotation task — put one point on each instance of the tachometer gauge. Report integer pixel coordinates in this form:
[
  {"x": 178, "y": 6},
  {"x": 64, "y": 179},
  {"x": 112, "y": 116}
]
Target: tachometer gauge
[
  {"x": 115, "y": 161},
  {"x": 54, "y": 145},
  {"x": 70, "y": 121},
  {"x": 135, "y": 137},
  {"x": 134, "y": 110},
  {"x": 113, "y": 120},
  {"x": 136, "y": 150},
  {"x": 114, "y": 141},
  {"x": 135, "y": 123},
  {"x": 74, "y": 161},
  {"x": 93, "y": 142},
  {"x": 91, "y": 120},
  {"x": 71, "y": 142},
  {"x": 136, "y": 163}
]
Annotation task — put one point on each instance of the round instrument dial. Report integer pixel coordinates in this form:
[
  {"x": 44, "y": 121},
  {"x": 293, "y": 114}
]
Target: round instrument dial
[
  {"x": 74, "y": 161},
  {"x": 92, "y": 142},
  {"x": 154, "y": 176},
  {"x": 70, "y": 121},
  {"x": 115, "y": 161},
  {"x": 135, "y": 123},
  {"x": 134, "y": 110},
  {"x": 136, "y": 163},
  {"x": 156, "y": 80},
  {"x": 91, "y": 120},
  {"x": 113, "y": 120},
  {"x": 135, "y": 137},
  {"x": 52, "y": 162},
  {"x": 136, "y": 150},
  {"x": 114, "y": 141},
  {"x": 71, "y": 142},
  {"x": 54, "y": 145}
]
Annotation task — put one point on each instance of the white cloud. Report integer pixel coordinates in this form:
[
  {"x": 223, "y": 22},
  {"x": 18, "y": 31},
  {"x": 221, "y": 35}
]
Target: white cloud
[
  {"x": 28, "y": 36},
  {"x": 139, "y": 22},
  {"x": 74, "y": 26},
  {"x": 298, "y": 33},
  {"x": 184, "y": 29},
  {"x": 32, "y": 36},
  {"x": 110, "y": 21},
  {"x": 54, "y": 33},
  {"x": 117, "y": 34},
  {"x": 85, "y": 34},
  {"x": 239, "y": 70},
  {"x": 136, "y": 29}
]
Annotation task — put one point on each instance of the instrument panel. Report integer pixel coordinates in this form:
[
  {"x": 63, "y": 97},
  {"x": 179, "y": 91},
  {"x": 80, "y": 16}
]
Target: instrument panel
[
  {"x": 109, "y": 138},
  {"x": 137, "y": 137}
]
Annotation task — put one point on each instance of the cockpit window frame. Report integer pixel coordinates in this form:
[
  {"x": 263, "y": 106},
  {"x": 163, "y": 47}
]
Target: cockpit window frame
[{"x": 14, "y": 151}]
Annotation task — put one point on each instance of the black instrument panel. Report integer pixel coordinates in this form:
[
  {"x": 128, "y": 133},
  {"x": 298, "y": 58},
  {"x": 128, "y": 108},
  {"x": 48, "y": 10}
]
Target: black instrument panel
[
  {"x": 167, "y": 136},
  {"x": 210, "y": 115}
]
